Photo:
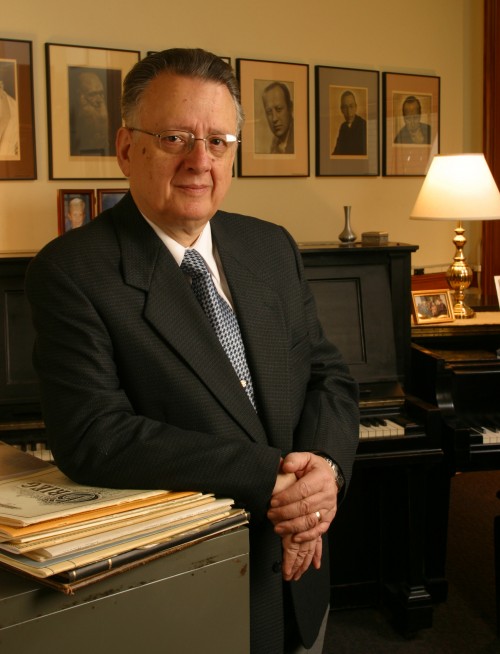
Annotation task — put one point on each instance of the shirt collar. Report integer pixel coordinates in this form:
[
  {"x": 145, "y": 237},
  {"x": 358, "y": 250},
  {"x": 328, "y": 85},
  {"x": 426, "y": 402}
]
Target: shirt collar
[{"x": 203, "y": 245}]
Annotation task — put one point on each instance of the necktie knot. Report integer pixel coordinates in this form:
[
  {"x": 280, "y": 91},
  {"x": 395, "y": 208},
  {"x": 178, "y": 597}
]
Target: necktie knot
[{"x": 193, "y": 264}]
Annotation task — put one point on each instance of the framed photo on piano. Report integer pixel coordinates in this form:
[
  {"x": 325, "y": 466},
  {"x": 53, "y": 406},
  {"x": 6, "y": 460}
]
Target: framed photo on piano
[{"x": 430, "y": 307}]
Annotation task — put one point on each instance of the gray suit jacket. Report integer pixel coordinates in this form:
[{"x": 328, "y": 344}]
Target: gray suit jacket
[{"x": 137, "y": 391}]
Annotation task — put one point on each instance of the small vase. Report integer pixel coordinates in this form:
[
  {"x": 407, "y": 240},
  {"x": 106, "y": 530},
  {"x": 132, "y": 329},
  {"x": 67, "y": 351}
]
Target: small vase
[{"x": 347, "y": 235}]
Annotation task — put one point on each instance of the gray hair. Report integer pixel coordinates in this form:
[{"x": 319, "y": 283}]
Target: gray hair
[{"x": 185, "y": 62}]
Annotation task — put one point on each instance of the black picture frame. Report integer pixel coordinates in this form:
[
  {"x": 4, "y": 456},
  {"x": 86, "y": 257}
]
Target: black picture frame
[
  {"x": 83, "y": 95},
  {"x": 257, "y": 154},
  {"x": 342, "y": 147},
  {"x": 17, "y": 125},
  {"x": 410, "y": 145}
]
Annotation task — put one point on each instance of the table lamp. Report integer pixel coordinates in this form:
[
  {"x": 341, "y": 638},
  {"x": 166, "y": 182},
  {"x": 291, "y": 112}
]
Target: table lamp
[{"x": 458, "y": 187}]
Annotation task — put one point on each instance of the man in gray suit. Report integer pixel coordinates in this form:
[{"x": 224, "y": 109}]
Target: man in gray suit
[{"x": 136, "y": 388}]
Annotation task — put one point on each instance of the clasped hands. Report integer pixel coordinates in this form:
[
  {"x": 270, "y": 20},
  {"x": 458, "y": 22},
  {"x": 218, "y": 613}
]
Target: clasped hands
[{"x": 303, "y": 504}]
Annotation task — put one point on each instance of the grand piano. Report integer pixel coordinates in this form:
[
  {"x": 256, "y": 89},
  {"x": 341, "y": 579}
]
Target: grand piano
[
  {"x": 380, "y": 537},
  {"x": 457, "y": 367}
]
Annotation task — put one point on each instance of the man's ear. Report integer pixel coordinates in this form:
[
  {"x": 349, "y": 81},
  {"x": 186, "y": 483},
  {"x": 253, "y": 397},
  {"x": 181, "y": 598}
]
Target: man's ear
[{"x": 123, "y": 143}]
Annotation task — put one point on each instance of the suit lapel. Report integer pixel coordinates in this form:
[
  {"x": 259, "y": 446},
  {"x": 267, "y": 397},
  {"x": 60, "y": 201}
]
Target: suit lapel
[
  {"x": 173, "y": 311},
  {"x": 264, "y": 331}
]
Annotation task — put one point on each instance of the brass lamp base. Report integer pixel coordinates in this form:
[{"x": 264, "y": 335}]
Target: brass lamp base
[{"x": 459, "y": 276}]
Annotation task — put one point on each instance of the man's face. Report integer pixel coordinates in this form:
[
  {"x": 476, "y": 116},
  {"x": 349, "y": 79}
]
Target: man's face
[
  {"x": 92, "y": 90},
  {"x": 277, "y": 112},
  {"x": 411, "y": 115},
  {"x": 179, "y": 193},
  {"x": 348, "y": 108}
]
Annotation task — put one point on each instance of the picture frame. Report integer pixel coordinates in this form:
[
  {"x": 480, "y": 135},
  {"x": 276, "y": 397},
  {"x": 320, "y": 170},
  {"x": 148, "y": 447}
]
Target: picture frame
[
  {"x": 347, "y": 121},
  {"x": 74, "y": 208},
  {"x": 17, "y": 124},
  {"x": 282, "y": 150},
  {"x": 497, "y": 286},
  {"x": 108, "y": 197},
  {"x": 83, "y": 97},
  {"x": 432, "y": 306},
  {"x": 411, "y": 123}
]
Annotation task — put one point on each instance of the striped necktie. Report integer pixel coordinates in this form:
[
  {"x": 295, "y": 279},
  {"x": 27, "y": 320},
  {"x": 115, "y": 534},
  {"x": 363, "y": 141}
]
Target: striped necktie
[{"x": 221, "y": 317}]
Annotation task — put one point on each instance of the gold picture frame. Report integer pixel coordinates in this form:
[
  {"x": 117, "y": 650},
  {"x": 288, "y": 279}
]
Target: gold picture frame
[{"x": 432, "y": 306}]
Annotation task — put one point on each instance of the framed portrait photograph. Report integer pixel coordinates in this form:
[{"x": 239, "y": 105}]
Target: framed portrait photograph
[
  {"x": 74, "y": 208},
  {"x": 275, "y": 137},
  {"x": 347, "y": 120},
  {"x": 432, "y": 306},
  {"x": 17, "y": 126},
  {"x": 108, "y": 197},
  {"x": 83, "y": 94},
  {"x": 411, "y": 123}
]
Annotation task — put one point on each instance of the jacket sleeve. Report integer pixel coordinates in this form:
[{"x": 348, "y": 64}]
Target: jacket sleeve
[{"x": 329, "y": 421}]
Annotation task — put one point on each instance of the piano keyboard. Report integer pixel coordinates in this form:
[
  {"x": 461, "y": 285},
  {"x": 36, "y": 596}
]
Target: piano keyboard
[
  {"x": 37, "y": 449},
  {"x": 380, "y": 428},
  {"x": 485, "y": 435}
]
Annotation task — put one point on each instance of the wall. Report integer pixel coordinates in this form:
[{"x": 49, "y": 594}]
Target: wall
[{"x": 441, "y": 38}]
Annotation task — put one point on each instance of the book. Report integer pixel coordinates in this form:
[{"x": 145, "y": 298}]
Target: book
[
  {"x": 47, "y": 493},
  {"x": 56, "y": 565},
  {"x": 50, "y": 525},
  {"x": 75, "y": 521},
  {"x": 70, "y": 581},
  {"x": 154, "y": 525},
  {"x": 20, "y": 543}
]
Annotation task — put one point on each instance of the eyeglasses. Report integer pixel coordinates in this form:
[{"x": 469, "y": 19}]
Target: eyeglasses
[{"x": 179, "y": 142}]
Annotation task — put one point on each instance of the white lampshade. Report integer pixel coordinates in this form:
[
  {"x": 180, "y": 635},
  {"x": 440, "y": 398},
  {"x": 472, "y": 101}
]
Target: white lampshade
[{"x": 458, "y": 187}]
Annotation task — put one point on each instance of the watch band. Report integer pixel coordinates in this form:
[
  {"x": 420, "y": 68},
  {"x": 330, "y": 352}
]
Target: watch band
[{"x": 339, "y": 478}]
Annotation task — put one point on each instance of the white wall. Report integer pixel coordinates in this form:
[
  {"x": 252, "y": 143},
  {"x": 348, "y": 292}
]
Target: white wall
[{"x": 433, "y": 37}]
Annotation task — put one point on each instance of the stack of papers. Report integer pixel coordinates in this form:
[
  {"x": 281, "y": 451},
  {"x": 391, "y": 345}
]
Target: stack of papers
[{"x": 69, "y": 535}]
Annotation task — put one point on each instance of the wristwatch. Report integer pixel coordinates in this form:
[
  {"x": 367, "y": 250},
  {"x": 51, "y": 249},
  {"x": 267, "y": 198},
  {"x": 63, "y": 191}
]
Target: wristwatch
[{"x": 339, "y": 479}]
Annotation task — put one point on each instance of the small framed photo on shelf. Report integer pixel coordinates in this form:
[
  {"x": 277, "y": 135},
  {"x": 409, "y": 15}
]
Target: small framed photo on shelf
[
  {"x": 275, "y": 137},
  {"x": 83, "y": 94},
  {"x": 347, "y": 119},
  {"x": 108, "y": 197},
  {"x": 74, "y": 208},
  {"x": 432, "y": 306},
  {"x": 411, "y": 123},
  {"x": 17, "y": 126}
]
